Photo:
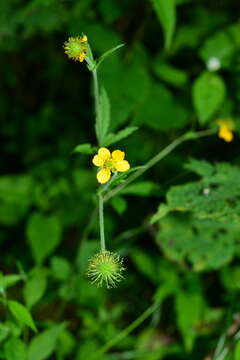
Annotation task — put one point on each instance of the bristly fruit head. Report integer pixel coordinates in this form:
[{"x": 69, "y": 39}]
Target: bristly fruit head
[
  {"x": 76, "y": 48},
  {"x": 105, "y": 269}
]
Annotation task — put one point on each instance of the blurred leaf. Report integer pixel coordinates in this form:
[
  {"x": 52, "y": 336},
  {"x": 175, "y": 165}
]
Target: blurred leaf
[
  {"x": 7, "y": 281},
  {"x": 189, "y": 309},
  {"x": 44, "y": 344},
  {"x": 141, "y": 188},
  {"x": 43, "y": 235},
  {"x": 166, "y": 12},
  {"x": 22, "y": 314},
  {"x": 119, "y": 204},
  {"x": 15, "y": 197},
  {"x": 170, "y": 74},
  {"x": 161, "y": 111},
  {"x": 145, "y": 264},
  {"x": 87, "y": 149},
  {"x": 113, "y": 138},
  {"x": 60, "y": 268},
  {"x": 103, "y": 120},
  {"x": 237, "y": 351},
  {"x": 35, "y": 287},
  {"x": 208, "y": 94},
  {"x": 205, "y": 244},
  {"x": 15, "y": 349}
]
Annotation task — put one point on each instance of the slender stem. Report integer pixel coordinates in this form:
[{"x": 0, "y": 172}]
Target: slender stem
[
  {"x": 97, "y": 101},
  {"x": 125, "y": 331},
  {"x": 158, "y": 157},
  {"x": 101, "y": 223}
]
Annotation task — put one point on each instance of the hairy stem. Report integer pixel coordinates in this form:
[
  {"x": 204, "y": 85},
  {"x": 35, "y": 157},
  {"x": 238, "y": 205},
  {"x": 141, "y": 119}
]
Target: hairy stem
[{"x": 101, "y": 223}]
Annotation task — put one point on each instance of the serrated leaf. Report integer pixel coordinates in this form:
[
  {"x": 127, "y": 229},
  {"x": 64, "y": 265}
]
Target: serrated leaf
[
  {"x": 113, "y": 138},
  {"x": 21, "y": 313},
  {"x": 44, "y": 344},
  {"x": 43, "y": 235},
  {"x": 208, "y": 94},
  {"x": 205, "y": 244},
  {"x": 166, "y": 13},
  {"x": 87, "y": 149},
  {"x": 103, "y": 120},
  {"x": 108, "y": 53},
  {"x": 15, "y": 349}
]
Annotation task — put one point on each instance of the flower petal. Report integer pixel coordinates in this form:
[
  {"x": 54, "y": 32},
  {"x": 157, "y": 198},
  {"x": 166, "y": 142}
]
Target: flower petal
[
  {"x": 118, "y": 155},
  {"x": 122, "y": 165},
  {"x": 103, "y": 176},
  {"x": 104, "y": 153},
  {"x": 225, "y": 133},
  {"x": 97, "y": 160}
]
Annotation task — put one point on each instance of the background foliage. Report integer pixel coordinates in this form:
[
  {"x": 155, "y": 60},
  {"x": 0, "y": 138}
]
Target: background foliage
[{"x": 177, "y": 227}]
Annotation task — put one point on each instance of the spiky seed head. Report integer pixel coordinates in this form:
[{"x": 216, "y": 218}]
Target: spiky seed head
[{"x": 105, "y": 269}]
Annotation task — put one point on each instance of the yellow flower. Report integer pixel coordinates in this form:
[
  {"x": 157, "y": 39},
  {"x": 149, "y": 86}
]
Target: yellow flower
[
  {"x": 226, "y": 127},
  {"x": 109, "y": 163},
  {"x": 76, "y": 48}
]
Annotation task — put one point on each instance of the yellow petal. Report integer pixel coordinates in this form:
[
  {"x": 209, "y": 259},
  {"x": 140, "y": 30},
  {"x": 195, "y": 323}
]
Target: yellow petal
[
  {"x": 83, "y": 38},
  {"x": 122, "y": 165},
  {"x": 104, "y": 153},
  {"x": 225, "y": 133},
  {"x": 82, "y": 56},
  {"x": 118, "y": 155},
  {"x": 103, "y": 176},
  {"x": 97, "y": 160}
]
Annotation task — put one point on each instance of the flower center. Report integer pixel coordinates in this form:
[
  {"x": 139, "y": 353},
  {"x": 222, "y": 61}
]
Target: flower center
[{"x": 109, "y": 164}]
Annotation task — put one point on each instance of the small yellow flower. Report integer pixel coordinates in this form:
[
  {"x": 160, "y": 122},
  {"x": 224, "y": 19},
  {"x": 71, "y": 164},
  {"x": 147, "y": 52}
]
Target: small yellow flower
[
  {"x": 109, "y": 163},
  {"x": 226, "y": 127},
  {"x": 76, "y": 48}
]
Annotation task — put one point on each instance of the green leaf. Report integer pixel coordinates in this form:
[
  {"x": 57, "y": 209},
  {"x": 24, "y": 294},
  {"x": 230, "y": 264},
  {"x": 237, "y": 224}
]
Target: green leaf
[
  {"x": 103, "y": 120},
  {"x": 119, "y": 204},
  {"x": 141, "y": 188},
  {"x": 16, "y": 196},
  {"x": 208, "y": 94},
  {"x": 113, "y": 138},
  {"x": 215, "y": 196},
  {"x": 15, "y": 349},
  {"x": 170, "y": 74},
  {"x": 205, "y": 244},
  {"x": 237, "y": 351},
  {"x": 189, "y": 309},
  {"x": 21, "y": 313},
  {"x": 161, "y": 110},
  {"x": 86, "y": 149},
  {"x": 35, "y": 287},
  {"x": 166, "y": 13},
  {"x": 44, "y": 344},
  {"x": 7, "y": 281},
  {"x": 108, "y": 53},
  {"x": 43, "y": 235},
  {"x": 60, "y": 268}
]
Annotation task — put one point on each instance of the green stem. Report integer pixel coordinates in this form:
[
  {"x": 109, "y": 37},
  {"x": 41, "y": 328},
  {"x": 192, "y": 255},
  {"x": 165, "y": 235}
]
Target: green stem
[
  {"x": 125, "y": 331},
  {"x": 158, "y": 157},
  {"x": 97, "y": 101},
  {"x": 101, "y": 223}
]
